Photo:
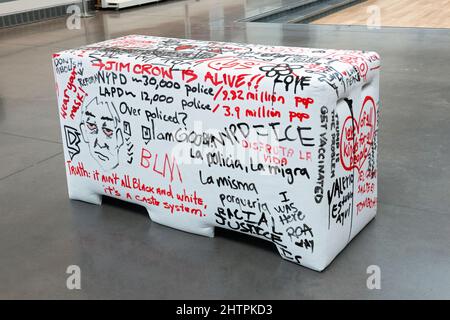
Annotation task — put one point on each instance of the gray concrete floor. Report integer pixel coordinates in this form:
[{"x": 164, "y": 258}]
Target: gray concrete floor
[{"x": 122, "y": 254}]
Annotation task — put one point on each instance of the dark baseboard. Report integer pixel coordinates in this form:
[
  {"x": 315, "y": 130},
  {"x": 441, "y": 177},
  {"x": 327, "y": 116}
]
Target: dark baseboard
[{"x": 302, "y": 12}]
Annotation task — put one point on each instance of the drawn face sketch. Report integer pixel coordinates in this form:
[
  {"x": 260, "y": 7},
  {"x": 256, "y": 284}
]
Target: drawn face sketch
[{"x": 100, "y": 129}]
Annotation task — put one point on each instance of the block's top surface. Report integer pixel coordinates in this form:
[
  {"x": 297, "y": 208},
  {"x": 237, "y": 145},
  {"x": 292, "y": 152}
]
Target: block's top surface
[{"x": 340, "y": 69}]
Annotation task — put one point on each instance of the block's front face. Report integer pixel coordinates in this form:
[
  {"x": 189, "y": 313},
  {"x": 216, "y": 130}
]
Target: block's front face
[{"x": 275, "y": 142}]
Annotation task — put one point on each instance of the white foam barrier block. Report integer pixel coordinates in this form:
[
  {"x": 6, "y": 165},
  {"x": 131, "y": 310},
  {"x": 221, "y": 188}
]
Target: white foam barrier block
[{"x": 276, "y": 142}]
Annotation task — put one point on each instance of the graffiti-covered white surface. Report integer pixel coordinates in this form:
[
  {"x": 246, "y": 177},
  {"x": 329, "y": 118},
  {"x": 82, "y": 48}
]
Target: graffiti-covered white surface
[{"x": 275, "y": 142}]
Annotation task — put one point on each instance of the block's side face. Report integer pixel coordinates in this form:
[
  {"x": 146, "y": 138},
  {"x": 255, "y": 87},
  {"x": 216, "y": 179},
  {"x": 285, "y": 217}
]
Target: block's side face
[
  {"x": 68, "y": 67},
  {"x": 352, "y": 192},
  {"x": 207, "y": 134}
]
